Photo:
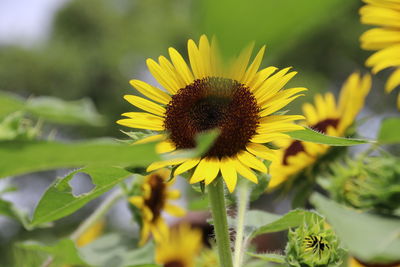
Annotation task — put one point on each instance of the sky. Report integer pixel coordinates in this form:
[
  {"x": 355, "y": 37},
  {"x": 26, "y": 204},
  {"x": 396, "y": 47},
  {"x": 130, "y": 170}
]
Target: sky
[{"x": 26, "y": 22}]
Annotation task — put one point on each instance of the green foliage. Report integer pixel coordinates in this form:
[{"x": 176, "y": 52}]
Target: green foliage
[
  {"x": 64, "y": 251},
  {"x": 19, "y": 157},
  {"x": 389, "y": 132},
  {"x": 58, "y": 200},
  {"x": 367, "y": 183},
  {"x": 269, "y": 257},
  {"x": 52, "y": 109},
  {"x": 280, "y": 24},
  {"x": 262, "y": 222},
  {"x": 117, "y": 251},
  {"x": 16, "y": 127},
  {"x": 370, "y": 238},
  {"x": 309, "y": 135}
]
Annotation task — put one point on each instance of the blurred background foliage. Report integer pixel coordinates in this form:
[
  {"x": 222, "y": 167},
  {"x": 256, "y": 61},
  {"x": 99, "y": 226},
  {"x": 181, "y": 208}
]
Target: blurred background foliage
[{"x": 96, "y": 46}]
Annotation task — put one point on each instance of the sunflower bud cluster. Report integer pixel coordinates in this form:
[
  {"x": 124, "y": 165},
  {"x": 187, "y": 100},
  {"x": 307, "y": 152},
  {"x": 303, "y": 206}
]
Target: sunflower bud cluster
[
  {"x": 312, "y": 245},
  {"x": 368, "y": 183}
]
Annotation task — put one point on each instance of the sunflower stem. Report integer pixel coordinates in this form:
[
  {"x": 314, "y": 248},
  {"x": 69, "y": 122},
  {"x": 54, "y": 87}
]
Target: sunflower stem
[
  {"x": 243, "y": 195},
  {"x": 218, "y": 210},
  {"x": 99, "y": 213}
]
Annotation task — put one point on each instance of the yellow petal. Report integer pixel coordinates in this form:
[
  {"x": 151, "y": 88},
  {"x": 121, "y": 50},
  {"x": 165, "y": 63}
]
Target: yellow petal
[
  {"x": 181, "y": 66},
  {"x": 149, "y": 139},
  {"x": 151, "y": 124},
  {"x": 239, "y": 66},
  {"x": 229, "y": 174},
  {"x": 145, "y": 105},
  {"x": 163, "y": 76},
  {"x": 161, "y": 164},
  {"x": 137, "y": 201},
  {"x": 261, "y": 151},
  {"x": 195, "y": 60},
  {"x": 187, "y": 165},
  {"x": 393, "y": 81},
  {"x": 151, "y": 92},
  {"x": 254, "y": 66},
  {"x": 165, "y": 147},
  {"x": 205, "y": 54},
  {"x": 250, "y": 161},
  {"x": 174, "y": 210},
  {"x": 206, "y": 170},
  {"x": 266, "y": 138},
  {"x": 245, "y": 172},
  {"x": 173, "y": 194}
]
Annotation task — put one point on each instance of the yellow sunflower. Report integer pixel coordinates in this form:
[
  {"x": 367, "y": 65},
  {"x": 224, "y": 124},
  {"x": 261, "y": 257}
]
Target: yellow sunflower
[
  {"x": 155, "y": 197},
  {"x": 325, "y": 116},
  {"x": 238, "y": 99},
  {"x": 355, "y": 263},
  {"x": 386, "y": 38},
  {"x": 180, "y": 248}
]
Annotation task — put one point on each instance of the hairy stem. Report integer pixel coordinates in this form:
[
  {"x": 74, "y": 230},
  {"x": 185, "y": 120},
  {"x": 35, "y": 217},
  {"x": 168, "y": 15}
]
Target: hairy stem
[
  {"x": 218, "y": 210},
  {"x": 242, "y": 203}
]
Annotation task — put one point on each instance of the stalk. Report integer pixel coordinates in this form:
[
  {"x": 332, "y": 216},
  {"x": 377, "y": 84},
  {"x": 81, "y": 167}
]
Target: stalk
[
  {"x": 242, "y": 204},
  {"x": 218, "y": 210}
]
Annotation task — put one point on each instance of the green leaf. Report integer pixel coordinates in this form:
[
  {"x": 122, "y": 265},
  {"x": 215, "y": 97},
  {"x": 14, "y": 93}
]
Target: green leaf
[
  {"x": 280, "y": 223},
  {"x": 309, "y": 135},
  {"x": 64, "y": 251},
  {"x": 370, "y": 238},
  {"x": 389, "y": 132},
  {"x": 268, "y": 257},
  {"x": 19, "y": 157},
  {"x": 9, "y": 104},
  {"x": 118, "y": 251},
  {"x": 278, "y": 24},
  {"x": 66, "y": 112},
  {"x": 52, "y": 109},
  {"x": 58, "y": 200}
]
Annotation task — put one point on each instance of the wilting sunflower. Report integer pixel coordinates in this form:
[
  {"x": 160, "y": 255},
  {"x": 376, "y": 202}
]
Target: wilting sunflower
[
  {"x": 325, "y": 116},
  {"x": 155, "y": 197},
  {"x": 180, "y": 248},
  {"x": 385, "y": 39},
  {"x": 238, "y": 100}
]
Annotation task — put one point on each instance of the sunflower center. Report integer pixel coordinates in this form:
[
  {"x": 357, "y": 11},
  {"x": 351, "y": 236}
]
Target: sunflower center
[
  {"x": 157, "y": 198},
  {"x": 213, "y": 103},
  {"x": 322, "y": 126},
  {"x": 174, "y": 263}
]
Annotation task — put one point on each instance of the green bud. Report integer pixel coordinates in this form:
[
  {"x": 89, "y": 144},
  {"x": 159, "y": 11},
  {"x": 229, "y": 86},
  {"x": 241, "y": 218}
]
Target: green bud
[
  {"x": 368, "y": 183},
  {"x": 312, "y": 245}
]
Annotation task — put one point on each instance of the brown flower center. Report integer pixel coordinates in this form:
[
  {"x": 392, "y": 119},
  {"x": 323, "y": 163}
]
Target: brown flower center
[
  {"x": 213, "y": 103},
  {"x": 297, "y": 146},
  {"x": 157, "y": 199},
  {"x": 174, "y": 263}
]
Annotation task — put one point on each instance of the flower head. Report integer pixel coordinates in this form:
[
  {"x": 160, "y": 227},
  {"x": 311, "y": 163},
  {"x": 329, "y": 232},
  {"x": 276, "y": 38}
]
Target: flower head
[
  {"x": 180, "y": 248},
  {"x": 239, "y": 100},
  {"x": 368, "y": 183},
  {"x": 385, "y": 39},
  {"x": 155, "y": 197},
  {"x": 312, "y": 245},
  {"x": 324, "y": 116}
]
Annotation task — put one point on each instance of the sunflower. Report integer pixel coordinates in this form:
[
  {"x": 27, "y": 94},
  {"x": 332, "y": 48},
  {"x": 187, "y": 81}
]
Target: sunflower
[
  {"x": 154, "y": 200},
  {"x": 180, "y": 248},
  {"x": 385, "y": 39},
  {"x": 325, "y": 116},
  {"x": 237, "y": 99}
]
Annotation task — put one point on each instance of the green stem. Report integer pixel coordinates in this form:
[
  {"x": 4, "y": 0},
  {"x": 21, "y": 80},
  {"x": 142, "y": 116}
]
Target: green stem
[
  {"x": 218, "y": 210},
  {"x": 243, "y": 195},
  {"x": 99, "y": 213}
]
